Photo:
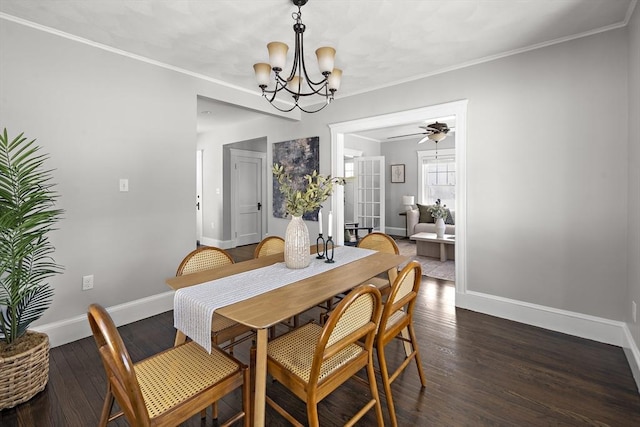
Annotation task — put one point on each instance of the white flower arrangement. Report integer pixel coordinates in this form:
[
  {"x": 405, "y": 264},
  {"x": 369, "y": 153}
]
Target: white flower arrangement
[
  {"x": 438, "y": 210},
  {"x": 317, "y": 189}
]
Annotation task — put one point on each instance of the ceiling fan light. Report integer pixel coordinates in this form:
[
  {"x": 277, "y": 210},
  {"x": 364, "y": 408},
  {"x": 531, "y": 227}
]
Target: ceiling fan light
[
  {"x": 334, "y": 79},
  {"x": 326, "y": 57},
  {"x": 437, "y": 136},
  {"x": 426, "y": 138},
  {"x": 277, "y": 55},
  {"x": 263, "y": 72}
]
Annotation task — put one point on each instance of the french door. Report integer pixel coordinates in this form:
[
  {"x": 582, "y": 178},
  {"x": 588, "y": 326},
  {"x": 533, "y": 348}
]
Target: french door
[{"x": 369, "y": 200}]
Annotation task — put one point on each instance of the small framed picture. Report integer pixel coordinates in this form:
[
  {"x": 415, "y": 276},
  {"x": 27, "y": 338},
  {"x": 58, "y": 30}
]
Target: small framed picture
[{"x": 397, "y": 173}]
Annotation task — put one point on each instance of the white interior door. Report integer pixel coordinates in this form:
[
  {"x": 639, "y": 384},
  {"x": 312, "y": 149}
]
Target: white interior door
[
  {"x": 246, "y": 196},
  {"x": 198, "y": 196},
  {"x": 369, "y": 201}
]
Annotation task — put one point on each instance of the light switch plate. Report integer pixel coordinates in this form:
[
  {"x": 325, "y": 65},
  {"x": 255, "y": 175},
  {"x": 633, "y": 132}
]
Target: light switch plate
[{"x": 124, "y": 184}]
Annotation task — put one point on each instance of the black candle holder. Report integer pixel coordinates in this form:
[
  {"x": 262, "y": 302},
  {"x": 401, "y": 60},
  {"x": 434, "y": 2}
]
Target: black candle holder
[
  {"x": 329, "y": 246},
  {"x": 319, "y": 240}
]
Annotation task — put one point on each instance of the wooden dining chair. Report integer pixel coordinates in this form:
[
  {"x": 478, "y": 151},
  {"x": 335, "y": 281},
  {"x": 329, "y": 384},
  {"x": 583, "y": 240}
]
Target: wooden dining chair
[
  {"x": 383, "y": 243},
  {"x": 397, "y": 322},
  {"x": 204, "y": 258},
  {"x": 378, "y": 242},
  {"x": 169, "y": 387},
  {"x": 314, "y": 360},
  {"x": 268, "y": 246},
  {"x": 223, "y": 330}
]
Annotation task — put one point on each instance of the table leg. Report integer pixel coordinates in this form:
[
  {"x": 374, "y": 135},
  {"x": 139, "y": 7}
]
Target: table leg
[
  {"x": 443, "y": 252},
  {"x": 261, "y": 378},
  {"x": 181, "y": 338}
]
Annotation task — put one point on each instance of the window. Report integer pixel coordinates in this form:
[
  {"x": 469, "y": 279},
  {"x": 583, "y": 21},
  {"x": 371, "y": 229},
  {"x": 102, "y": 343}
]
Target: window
[
  {"x": 437, "y": 177},
  {"x": 348, "y": 168}
]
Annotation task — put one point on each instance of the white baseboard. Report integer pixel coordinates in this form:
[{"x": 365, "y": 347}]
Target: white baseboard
[
  {"x": 75, "y": 328},
  {"x": 630, "y": 348},
  {"x": 222, "y": 244},
  {"x": 568, "y": 322}
]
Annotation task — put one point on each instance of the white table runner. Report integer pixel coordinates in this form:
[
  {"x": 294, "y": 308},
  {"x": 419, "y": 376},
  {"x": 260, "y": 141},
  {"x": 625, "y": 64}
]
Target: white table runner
[{"x": 193, "y": 306}]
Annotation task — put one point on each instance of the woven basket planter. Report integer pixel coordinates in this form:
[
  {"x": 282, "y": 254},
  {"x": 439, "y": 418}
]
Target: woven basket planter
[{"x": 24, "y": 375}]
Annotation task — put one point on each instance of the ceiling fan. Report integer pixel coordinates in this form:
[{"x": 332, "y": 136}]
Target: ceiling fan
[{"x": 435, "y": 131}]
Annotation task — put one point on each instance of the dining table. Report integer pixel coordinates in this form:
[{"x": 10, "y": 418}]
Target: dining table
[{"x": 266, "y": 309}]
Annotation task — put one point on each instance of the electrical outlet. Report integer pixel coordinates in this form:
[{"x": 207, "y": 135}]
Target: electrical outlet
[
  {"x": 634, "y": 311},
  {"x": 213, "y": 225},
  {"x": 87, "y": 282}
]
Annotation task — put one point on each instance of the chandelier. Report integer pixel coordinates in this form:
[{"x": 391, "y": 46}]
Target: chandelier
[{"x": 298, "y": 84}]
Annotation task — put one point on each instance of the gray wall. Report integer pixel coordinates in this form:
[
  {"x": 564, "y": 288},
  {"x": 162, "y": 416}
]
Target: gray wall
[
  {"x": 547, "y": 198},
  {"x": 103, "y": 117},
  {"x": 633, "y": 292}
]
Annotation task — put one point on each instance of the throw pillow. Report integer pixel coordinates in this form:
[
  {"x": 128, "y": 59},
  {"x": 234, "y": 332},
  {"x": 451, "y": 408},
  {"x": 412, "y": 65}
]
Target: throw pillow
[
  {"x": 449, "y": 218},
  {"x": 425, "y": 215}
]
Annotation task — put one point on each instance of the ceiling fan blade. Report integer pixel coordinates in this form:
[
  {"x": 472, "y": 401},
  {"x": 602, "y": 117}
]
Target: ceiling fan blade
[
  {"x": 423, "y": 139},
  {"x": 411, "y": 134}
]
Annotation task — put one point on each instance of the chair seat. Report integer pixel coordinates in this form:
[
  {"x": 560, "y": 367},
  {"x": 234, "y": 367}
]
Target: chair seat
[
  {"x": 165, "y": 383},
  {"x": 221, "y": 323},
  {"x": 379, "y": 282},
  {"x": 295, "y": 351}
]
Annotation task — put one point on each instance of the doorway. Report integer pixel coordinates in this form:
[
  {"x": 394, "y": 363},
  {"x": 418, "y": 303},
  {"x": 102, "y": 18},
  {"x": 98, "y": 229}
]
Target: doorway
[
  {"x": 247, "y": 192},
  {"x": 457, "y": 109}
]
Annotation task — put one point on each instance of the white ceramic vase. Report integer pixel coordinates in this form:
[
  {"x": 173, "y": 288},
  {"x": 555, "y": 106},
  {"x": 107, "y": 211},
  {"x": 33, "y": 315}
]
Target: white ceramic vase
[
  {"x": 440, "y": 227},
  {"x": 296, "y": 244}
]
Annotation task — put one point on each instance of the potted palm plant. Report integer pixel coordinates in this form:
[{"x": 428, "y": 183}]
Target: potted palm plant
[{"x": 27, "y": 215}]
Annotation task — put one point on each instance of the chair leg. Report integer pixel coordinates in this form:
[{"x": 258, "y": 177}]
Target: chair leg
[
  {"x": 414, "y": 343},
  {"x": 312, "y": 413},
  {"x": 107, "y": 406},
  {"x": 374, "y": 390},
  {"x": 384, "y": 373}
]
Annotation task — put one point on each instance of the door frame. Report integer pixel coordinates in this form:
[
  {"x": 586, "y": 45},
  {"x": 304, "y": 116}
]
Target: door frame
[
  {"x": 233, "y": 185},
  {"x": 455, "y": 108}
]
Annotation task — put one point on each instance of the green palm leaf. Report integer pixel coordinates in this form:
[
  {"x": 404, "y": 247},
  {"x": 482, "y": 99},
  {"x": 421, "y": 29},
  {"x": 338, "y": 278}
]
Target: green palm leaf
[{"x": 27, "y": 215}]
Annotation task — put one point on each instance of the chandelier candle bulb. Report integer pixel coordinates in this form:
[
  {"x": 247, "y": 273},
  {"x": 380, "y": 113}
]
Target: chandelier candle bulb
[
  {"x": 263, "y": 71},
  {"x": 334, "y": 79},
  {"x": 277, "y": 55},
  {"x": 294, "y": 84},
  {"x": 326, "y": 57}
]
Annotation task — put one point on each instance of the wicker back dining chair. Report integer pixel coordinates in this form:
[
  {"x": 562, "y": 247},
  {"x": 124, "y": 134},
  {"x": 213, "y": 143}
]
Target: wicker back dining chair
[
  {"x": 222, "y": 329},
  {"x": 397, "y": 322},
  {"x": 169, "y": 387},
  {"x": 381, "y": 242},
  {"x": 314, "y": 360},
  {"x": 268, "y": 246},
  {"x": 204, "y": 258}
]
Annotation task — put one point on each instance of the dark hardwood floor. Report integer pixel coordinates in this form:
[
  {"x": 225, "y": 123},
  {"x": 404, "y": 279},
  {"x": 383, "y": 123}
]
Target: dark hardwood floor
[{"x": 481, "y": 371}]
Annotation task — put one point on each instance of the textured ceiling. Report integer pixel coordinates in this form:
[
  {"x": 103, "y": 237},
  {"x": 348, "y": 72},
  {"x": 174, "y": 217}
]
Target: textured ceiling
[{"x": 378, "y": 42}]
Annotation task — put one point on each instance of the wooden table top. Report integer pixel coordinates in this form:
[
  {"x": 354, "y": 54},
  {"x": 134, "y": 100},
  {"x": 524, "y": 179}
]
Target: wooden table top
[{"x": 270, "y": 308}]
